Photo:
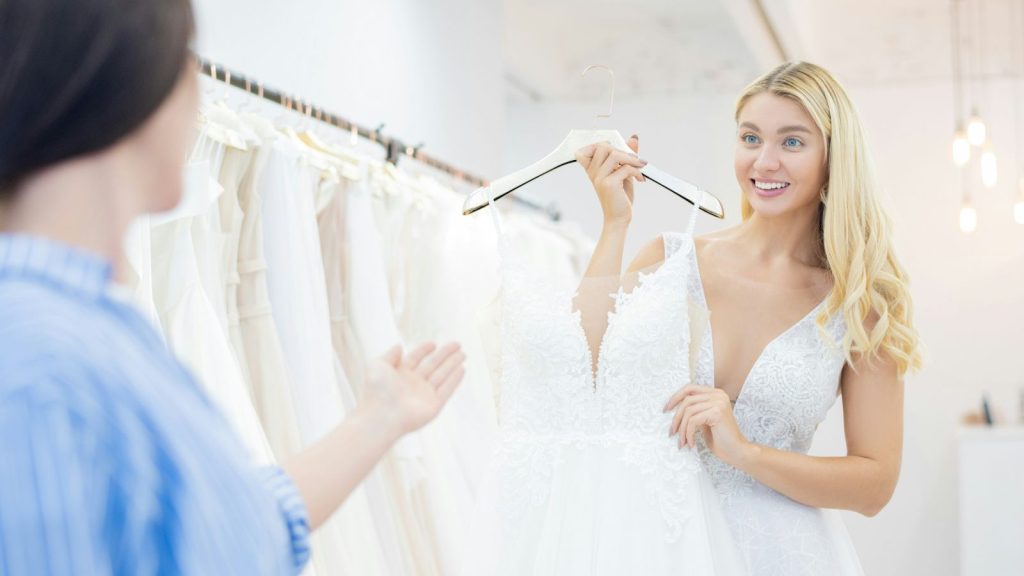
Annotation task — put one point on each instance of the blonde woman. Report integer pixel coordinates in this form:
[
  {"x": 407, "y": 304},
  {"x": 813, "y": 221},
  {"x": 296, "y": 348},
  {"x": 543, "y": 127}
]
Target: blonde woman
[{"x": 808, "y": 302}]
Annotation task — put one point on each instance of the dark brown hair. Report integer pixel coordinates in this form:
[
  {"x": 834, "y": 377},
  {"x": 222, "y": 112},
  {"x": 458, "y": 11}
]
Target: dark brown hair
[{"x": 78, "y": 75}]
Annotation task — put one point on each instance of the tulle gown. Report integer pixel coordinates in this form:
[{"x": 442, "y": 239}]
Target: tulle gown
[{"x": 585, "y": 479}]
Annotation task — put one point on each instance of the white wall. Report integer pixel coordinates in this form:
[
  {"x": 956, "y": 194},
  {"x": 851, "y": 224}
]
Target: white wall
[
  {"x": 430, "y": 70},
  {"x": 967, "y": 288}
]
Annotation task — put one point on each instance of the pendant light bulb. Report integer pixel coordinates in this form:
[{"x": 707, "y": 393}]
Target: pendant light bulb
[
  {"x": 989, "y": 167},
  {"x": 961, "y": 148},
  {"x": 968, "y": 218},
  {"x": 976, "y": 131}
]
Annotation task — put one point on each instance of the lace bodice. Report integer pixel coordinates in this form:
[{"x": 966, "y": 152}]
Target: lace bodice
[
  {"x": 787, "y": 393},
  {"x": 548, "y": 385},
  {"x": 552, "y": 397},
  {"x": 789, "y": 390}
]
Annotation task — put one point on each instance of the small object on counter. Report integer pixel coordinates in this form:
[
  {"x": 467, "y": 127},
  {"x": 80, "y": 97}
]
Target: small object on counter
[
  {"x": 986, "y": 411},
  {"x": 972, "y": 418}
]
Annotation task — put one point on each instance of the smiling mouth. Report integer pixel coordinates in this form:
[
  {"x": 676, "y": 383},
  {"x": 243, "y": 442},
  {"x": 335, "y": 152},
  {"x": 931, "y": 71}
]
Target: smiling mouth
[{"x": 769, "y": 187}]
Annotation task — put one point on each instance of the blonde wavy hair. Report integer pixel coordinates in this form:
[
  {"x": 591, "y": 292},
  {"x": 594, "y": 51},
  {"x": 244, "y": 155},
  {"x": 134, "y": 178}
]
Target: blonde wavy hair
[{"x": 855, "y": 231}]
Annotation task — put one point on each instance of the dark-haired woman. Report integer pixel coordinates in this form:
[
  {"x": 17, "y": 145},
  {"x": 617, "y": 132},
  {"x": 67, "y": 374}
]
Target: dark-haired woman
[{"x": 113, "y": 460}]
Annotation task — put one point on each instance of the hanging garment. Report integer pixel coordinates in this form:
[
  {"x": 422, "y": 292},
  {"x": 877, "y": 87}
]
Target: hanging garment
[
  {"x": 233, "y": 168},
  {"x": 585, "y": 479},
  {"x": 268, "y": 376},
  {"x": 334, "y": 245},
  {"x": 581, "y": 246},
  {"x": 347, "y": 543},
  {"x": 787, "y": 393},
  {"x": 394, "y": 199},
  {"x": 296, "y": 286},
  {"x": 424, "y": 514},
  {"x": 191, "y": 326},
  {"x": 392, "y": 528},
  {"x": 453, "y": 273},
  {"x": 137, "y": 269},
  {"x": 209, "y": 240},
  {"x": 442, "y": 267}
]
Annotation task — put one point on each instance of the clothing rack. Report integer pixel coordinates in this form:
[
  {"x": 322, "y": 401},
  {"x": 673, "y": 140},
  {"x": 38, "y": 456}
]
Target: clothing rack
[{"x": 394, "y": 147}]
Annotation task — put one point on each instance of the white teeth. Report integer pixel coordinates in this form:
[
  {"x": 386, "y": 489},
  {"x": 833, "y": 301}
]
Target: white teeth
[{"x": 770, "y": 185}]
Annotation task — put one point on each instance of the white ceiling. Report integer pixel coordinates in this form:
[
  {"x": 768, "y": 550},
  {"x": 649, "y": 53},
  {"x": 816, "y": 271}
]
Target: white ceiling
[
  {"x": 670, "y": 47},
  {"x": 654, "y": 46}
]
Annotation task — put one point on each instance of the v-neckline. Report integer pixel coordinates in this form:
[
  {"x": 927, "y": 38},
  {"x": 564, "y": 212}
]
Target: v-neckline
[
  {"x": 711, "y": 336},
  {"x": 594, "y": 367}
]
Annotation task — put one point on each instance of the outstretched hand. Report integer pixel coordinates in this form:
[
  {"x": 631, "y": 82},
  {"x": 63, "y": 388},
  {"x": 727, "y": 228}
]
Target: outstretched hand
[{"x": 412, "y": 388}]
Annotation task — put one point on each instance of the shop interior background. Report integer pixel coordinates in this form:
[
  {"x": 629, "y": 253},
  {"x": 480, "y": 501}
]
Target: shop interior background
[{"x": 492, "y": 85}]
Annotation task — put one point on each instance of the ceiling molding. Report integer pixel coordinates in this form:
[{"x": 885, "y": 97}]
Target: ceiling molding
[
  {"x": 522, "y": 87},
  {"x": 785, "y": 28},
  {"x": 757, "y": 28}
]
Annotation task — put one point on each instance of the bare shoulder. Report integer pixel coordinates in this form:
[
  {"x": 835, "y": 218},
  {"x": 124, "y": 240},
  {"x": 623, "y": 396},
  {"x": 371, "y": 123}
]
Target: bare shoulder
[
  {"x": 713, "y": 243},
  {"x": 652, "y": 253}
]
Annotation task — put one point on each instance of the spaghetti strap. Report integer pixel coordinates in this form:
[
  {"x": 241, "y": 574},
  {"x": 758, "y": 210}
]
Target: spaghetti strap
[{"x": 693, "y": 215}]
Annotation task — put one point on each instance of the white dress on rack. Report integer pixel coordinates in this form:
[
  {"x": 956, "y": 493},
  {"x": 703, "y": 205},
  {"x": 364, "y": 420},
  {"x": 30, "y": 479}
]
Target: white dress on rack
[
  {"x": 209, "y": 239},
  {"x": 387, "y": 509},
  {"x": 269, "y": 379},
  {"x": 442, "y": 281},
  {"x": 585, "y": 479},
  {"x": 296, "y": 286},
  {"x": 787, "y": 393},
  {"x": 373, "y": 325},
  {"x": 138, "y": 271},
  {"x": 190, "y": 323},
  {"x": 236, "y": 163},
  {"x": 348, "y": 543},
  {"x": 454, "y": 273}
]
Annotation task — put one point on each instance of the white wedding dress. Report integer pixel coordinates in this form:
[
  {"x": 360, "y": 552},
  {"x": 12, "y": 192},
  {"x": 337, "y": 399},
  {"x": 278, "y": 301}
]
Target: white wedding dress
[
  {"x": 585, "y": 480},
  {"x": 787, "y": 393}
]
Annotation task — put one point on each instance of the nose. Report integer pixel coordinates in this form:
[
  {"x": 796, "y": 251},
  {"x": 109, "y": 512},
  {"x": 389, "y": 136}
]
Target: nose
[{"x": 767, "y": 160}]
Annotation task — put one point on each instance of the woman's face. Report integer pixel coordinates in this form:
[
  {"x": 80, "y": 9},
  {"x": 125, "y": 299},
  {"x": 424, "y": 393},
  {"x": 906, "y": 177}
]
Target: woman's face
[
  {"x": 162, "y": 143},
  {"x": 780, "y": 156}
]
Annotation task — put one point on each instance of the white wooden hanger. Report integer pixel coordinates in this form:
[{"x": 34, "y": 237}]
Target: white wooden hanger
[{"x": 565, "y": 154}]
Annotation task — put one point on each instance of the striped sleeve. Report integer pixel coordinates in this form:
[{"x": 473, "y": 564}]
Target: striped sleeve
[
  {"x": 49, "y": 520},
  {"x": 293, "y": 512}
]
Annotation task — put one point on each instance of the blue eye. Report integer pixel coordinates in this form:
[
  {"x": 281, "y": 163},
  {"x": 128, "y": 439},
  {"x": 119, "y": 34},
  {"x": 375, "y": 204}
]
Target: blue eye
[
  {"x": 793, "y": 143},
  {"x": 750, "y": 139}
]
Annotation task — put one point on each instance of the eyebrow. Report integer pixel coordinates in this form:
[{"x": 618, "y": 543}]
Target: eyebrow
[{"x": 783, "y": 130}]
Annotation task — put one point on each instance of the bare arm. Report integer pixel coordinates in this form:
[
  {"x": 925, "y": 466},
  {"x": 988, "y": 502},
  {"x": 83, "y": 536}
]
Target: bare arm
[
  {"x": 612, "y": 173},
  {"x": 402, "y": 394},
  {"x": 864, "y": 479}
]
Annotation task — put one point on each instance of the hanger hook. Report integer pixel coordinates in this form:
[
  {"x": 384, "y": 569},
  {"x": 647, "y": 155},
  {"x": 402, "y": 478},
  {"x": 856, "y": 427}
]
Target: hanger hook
[{"x": 611, "y": 97}]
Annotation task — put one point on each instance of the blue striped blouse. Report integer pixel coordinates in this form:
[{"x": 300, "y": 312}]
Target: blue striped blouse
[{"x": 112, "y": 460}]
